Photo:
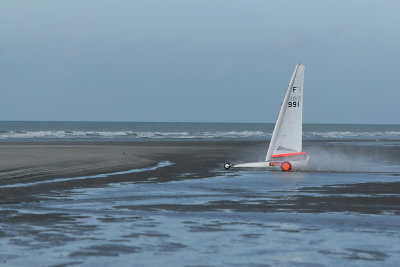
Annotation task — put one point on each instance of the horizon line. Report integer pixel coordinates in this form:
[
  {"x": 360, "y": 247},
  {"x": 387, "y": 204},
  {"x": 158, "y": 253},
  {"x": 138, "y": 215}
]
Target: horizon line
[{"x": 200, "y": 122}]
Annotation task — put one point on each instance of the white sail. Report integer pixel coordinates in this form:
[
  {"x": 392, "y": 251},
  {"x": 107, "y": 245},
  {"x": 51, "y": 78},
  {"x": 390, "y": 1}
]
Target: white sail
[{"x": 287, "y": 135}]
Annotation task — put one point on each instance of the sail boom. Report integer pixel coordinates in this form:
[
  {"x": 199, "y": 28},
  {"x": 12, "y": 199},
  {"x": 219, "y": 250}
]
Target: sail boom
[{"x": 288, "y": 154}]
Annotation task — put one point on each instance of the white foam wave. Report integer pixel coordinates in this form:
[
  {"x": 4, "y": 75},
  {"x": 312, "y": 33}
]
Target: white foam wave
[
  {"x": 201, "y": 135},
  {"x": 60, "y": 134},
  {"x": 127, "y": 135},
  {"x": 234, "y": 134},
  {"x": 353, "y": 134},
  {"x": 158, "y": 135},
  {"x": 205, "y": 135}
]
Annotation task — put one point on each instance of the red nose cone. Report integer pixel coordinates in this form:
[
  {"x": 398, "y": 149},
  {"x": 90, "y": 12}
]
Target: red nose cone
[{"x": 286, "y": 166}]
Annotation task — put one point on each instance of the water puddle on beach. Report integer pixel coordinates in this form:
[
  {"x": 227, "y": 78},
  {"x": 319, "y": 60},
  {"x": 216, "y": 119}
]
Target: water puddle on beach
[{"x": 233, "y": 219}]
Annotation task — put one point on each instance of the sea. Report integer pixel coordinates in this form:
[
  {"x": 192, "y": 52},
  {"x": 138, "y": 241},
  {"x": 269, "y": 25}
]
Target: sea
[
  {"x": 344, "y": 213},
  {"x": 42, "y": 131}
]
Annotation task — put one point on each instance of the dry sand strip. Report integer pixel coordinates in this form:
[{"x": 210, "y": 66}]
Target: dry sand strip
[{"x": 27, "y": 163}]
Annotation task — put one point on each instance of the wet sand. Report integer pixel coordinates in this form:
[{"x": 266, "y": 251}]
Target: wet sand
[
  {"x": 37, "y": 162},
  {"x": 34, "y": 162},
  {"x": 189, "y": 212}
]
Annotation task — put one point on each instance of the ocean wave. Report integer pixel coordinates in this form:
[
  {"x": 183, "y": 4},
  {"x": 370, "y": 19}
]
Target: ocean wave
[
  {"x": 58, "y": 134},
  {"x": 127, "y": 135},
  {"x": 33, "y": 135},
  {"x": 353, "y": 135},
  {"x": 201, "y": 135}
]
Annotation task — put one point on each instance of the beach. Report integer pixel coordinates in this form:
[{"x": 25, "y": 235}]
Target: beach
[
  {"x": 170, "y": 202},
  {"x": 75, "y": 163},
  {"x": 37, "y": 162}
]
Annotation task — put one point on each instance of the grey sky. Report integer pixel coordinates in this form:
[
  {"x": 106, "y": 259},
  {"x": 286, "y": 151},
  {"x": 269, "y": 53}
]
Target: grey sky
[{"x": 210, "y": 60}]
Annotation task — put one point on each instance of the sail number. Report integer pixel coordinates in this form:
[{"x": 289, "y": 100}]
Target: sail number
[
  {"x": 294, "y": 101},
  {"x": 293, "y": 104}
]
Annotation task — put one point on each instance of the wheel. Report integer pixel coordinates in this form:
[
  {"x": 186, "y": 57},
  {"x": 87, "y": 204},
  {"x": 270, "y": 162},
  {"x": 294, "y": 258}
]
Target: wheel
[
  {"x": 286, "y": 166},
  {"x": 227, "y": 166}
]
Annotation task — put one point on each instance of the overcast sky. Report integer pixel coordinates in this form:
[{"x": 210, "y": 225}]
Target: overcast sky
[{"x": 189, "y": 60}]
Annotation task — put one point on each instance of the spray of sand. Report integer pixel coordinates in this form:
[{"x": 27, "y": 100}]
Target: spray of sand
[{"x": 336, "y": 160}]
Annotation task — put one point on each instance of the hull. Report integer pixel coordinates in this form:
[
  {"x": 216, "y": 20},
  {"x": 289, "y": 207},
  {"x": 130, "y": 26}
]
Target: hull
[
  {"x": 293, "y": 165},
  {"x": 265, "y": 165},
  {"x": 262, "y": 164}
]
